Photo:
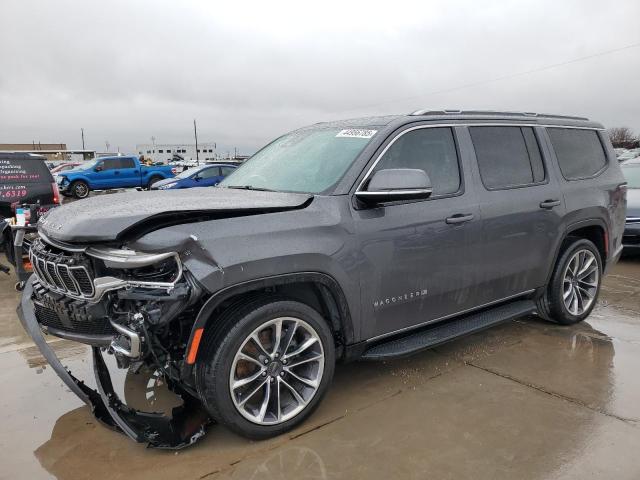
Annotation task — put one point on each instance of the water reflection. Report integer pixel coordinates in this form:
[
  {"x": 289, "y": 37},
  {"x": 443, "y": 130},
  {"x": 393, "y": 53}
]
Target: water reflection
[
  {"x": 295, "y": 463},
  {"x": 461, "y": 423}
]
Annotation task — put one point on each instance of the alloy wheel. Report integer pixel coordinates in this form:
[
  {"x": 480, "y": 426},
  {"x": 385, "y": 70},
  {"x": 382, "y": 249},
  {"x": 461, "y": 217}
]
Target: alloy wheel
[
  {"x": 276, "y": 371},
  {"x": 580, "y": 282},
  {"x": 81, "y": 190}
]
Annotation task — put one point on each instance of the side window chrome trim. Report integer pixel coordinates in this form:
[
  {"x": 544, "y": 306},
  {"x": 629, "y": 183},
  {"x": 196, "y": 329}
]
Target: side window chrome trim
[
  {"x": 452, "y": 126},
  {"x": 419, "y": 127},
  {"x": 607, "y": 163}
]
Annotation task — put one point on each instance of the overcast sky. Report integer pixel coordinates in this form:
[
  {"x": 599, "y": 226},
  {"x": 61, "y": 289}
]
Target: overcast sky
[{"x": 130, "y": 70}]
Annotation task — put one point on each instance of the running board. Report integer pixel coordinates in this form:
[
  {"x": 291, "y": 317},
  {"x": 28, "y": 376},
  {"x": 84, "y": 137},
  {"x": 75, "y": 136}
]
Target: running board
[{"x": 447, "y": 330}]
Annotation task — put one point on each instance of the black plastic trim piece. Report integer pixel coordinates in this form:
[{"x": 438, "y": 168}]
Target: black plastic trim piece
[{"x": 220, "y": 296}]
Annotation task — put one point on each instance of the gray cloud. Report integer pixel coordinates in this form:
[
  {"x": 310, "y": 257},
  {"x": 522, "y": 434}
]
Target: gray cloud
[{"x": 128, "y": 70}]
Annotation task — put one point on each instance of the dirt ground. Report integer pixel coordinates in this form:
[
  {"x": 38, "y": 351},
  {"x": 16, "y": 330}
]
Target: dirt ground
[{"x": 524, "y": 400}]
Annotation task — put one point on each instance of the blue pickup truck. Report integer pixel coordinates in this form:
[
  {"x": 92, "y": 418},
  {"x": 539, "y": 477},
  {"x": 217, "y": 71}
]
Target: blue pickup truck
[{"x": 106, "y": 173}]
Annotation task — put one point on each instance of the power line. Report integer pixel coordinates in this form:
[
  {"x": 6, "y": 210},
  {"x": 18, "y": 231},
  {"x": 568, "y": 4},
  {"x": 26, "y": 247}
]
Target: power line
[{"x": 497, "y": 79}]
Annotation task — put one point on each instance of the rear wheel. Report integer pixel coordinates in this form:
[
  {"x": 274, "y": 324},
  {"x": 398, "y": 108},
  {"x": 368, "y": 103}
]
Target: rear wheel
[
  {"x": 575, "y": 284},
  {"x": 79, "y": 189},
  {"x": 267, "y": 367}
]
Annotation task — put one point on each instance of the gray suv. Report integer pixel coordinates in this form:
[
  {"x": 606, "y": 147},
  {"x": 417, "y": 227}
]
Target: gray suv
[{"x": 365, "y": 239}]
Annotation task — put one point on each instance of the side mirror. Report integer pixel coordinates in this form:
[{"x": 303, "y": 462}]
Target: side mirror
[
  {"x": 396, "y": 184},
  {"x": 98, "y": 168},
  {"x": 197, "y": 178}
]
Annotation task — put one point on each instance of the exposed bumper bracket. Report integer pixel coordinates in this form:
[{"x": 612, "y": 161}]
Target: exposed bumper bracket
[{"x": 185, "y": 426}]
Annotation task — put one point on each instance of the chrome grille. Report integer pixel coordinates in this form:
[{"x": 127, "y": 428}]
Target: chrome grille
[{"x": 61, "y": 271}]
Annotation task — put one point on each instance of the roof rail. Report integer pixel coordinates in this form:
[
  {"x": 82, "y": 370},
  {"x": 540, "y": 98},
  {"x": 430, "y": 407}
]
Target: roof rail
[{"x": 427, "y": 112}]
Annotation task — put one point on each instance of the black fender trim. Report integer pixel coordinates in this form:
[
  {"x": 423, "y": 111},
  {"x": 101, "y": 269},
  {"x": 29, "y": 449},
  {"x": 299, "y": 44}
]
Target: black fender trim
[
  {"x": 590, "y": 222},
  {"x": 204, "y": 315}
]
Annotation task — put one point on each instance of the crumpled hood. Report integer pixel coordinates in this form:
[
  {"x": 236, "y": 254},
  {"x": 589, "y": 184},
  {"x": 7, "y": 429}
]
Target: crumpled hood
[{"x": 109, "y": 217}]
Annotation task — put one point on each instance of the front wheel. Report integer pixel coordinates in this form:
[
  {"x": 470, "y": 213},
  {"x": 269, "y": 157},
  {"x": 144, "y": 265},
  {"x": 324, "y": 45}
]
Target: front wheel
[
  {"x": 267, "y": 367},
  {"x": 79, "y": 189},
  {"x": 575, "y": 284}
]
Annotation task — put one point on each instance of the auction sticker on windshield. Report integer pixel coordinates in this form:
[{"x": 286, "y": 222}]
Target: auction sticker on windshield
[{"x": 356, "y": 133}]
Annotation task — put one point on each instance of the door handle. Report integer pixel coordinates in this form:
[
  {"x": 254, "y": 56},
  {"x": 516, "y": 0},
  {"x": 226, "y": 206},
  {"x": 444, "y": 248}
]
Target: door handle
[
  {"x": 116, "y": 173},
  {"x": 549, "y": 204},
  {"x": 459, "y": 218}
]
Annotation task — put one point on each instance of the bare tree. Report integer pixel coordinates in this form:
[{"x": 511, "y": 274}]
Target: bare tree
[{"x": 621, "y": 137}]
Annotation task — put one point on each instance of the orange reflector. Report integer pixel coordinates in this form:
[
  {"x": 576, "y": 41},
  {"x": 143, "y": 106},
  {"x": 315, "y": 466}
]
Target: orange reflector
[
  {"x": 26, "y": 264},
  {"x": 195, "y": 343}
]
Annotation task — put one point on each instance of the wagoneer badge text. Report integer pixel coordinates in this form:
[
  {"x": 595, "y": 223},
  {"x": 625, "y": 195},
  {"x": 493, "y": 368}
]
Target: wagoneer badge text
[{"x": 407, "y": 297}]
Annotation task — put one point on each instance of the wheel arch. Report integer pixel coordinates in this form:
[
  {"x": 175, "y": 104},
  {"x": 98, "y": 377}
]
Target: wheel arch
[
  {"x": 318, "y": 290},
  {"x": 594, "y": 229}
]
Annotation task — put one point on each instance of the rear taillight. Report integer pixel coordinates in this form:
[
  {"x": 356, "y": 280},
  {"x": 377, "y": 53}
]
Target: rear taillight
[{"x": 56, "y": 193}]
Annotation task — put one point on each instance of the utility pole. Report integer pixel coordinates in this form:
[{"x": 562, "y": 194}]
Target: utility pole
[
  {"x": 82, "y": 133},
  {"x": 195, "y": 133}
]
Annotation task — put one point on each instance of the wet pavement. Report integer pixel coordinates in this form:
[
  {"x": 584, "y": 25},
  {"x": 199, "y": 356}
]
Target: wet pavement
[{"x": 527, "y": 399}]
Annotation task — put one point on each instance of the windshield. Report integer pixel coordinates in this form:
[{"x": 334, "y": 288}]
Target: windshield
[
  {"x": 87, "y": 165},
  {"x": 632, "y": 175},
  {"x": 309, "y": 160}
]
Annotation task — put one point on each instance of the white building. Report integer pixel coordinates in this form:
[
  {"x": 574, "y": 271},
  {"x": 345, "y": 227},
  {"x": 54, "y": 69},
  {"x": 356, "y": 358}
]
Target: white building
[{"x": 165, "y": 152}]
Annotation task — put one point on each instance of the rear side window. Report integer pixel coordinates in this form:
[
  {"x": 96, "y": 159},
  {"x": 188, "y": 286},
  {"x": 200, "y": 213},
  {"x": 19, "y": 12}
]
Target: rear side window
[
  {"x": 507, "y": 156},
  {"x": 127, "y": 163},
  {"x": 579, "y": 152},
  {"x": 430, "y": 149},
  {"x": 23, "y": 169}
]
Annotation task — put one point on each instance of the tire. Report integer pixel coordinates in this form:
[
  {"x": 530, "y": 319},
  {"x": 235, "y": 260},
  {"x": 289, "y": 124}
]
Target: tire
[
  {"x": 152, "y": 180},
  {"x": 79, "y": 189},
  {"x": 568, "y": 298},
  {"x": 218, "y": 366}
]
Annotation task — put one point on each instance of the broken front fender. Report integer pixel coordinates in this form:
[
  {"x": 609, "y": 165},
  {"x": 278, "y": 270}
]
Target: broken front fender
[{"x": 185, "y": 426}]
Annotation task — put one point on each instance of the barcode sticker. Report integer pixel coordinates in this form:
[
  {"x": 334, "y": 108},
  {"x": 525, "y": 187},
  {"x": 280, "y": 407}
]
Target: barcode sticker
[{"x": 356, "y": 133}]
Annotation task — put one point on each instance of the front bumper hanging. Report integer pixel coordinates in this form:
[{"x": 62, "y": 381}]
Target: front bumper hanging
[{"x": 186, "y": 425}]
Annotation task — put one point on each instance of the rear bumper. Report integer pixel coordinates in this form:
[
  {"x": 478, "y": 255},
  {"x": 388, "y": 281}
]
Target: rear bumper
[{"x": 185, "y": 426}]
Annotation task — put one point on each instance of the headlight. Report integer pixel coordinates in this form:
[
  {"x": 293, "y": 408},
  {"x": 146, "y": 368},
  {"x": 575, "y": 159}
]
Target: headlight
[{"x": 166, "y": 187}]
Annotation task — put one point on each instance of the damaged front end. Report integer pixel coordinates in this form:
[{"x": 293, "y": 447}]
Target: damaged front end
[{"x": 137, "y": 306}]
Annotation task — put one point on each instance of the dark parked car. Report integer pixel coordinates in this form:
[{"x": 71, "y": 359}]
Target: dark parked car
[
  {"x": 202, "y": 176},
  {"x": 631, "y": 239},
  {"x": 363, "y": 239},
  {"x": 24, "y": 179}
]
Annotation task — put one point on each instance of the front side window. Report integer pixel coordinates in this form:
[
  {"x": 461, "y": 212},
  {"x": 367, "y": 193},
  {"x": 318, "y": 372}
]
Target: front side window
[
  {"x": 430, "y": 149},
  {"x": 209, "y": 172},
  {"x": 579, "y": 152},
  {"x": 311, "y": 160},
  {"x": 111, "y": 164},
  {"x": 507, "y": 156}
]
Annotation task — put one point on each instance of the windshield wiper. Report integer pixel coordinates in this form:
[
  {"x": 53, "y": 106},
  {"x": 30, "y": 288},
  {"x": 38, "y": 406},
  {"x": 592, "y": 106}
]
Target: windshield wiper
[{"x": 250, "y": 187}]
